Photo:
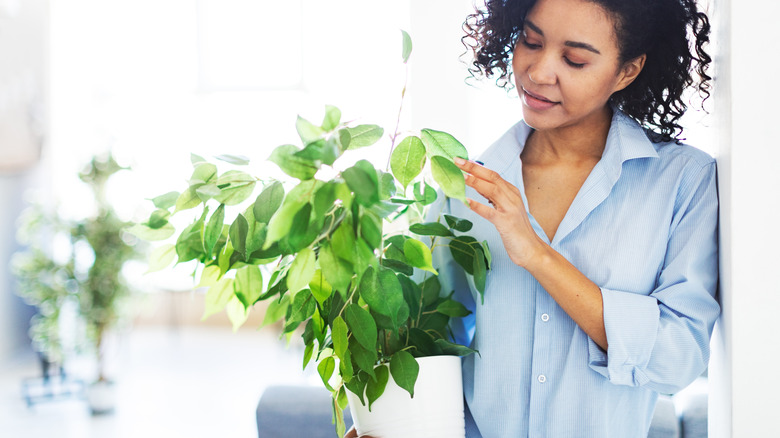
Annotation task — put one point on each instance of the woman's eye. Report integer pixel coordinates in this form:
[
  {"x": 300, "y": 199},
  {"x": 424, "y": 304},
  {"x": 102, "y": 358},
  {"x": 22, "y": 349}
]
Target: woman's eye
[
  {"x": 573, "y": 64},
  {"x": 530, "y": 45}
]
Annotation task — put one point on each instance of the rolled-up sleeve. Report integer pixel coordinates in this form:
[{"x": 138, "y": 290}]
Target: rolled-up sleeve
[{"x": 661, "y": 340}]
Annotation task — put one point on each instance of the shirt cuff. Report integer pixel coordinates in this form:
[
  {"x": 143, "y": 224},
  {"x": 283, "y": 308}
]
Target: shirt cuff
[{"x": 631, "y": 322}]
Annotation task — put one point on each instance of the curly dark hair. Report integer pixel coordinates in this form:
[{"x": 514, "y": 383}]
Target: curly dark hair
[{"x": 660, "y": 29}]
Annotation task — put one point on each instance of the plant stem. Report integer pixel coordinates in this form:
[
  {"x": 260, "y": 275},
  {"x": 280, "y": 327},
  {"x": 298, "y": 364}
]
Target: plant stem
[{"x": 398, "y": 119}]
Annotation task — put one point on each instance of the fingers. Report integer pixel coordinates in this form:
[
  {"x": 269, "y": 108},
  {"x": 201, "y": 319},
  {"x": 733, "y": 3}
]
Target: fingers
[
  {"x": 477, "y": 170},
  {"x": 482, "y": 209},
  {"x": 487, "y": 183}
]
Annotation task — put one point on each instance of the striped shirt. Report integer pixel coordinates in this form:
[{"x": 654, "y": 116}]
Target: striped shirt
[{"x": 643, "y": 227}]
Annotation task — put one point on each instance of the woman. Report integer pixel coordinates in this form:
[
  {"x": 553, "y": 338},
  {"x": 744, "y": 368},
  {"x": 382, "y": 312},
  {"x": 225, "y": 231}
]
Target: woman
[{"x": 603, "y": 233}]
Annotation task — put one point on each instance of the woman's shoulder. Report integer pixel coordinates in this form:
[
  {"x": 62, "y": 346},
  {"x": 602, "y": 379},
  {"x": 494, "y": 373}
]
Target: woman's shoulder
[{"x": 684, "y": 155}]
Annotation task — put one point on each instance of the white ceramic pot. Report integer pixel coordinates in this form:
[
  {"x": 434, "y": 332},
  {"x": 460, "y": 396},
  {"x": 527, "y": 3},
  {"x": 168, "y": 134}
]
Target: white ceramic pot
[
  {"x": 435, "y": 411},
  {"x": 101, "y": 396}
]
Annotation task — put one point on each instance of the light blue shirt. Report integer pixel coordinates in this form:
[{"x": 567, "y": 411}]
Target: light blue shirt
[{"x": 643, "y": 227}]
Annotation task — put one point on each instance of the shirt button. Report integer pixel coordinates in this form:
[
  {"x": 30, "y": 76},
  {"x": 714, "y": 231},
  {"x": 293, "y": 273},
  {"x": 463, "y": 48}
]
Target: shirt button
[
  {"x": 542, "y": 378},
  {"x": 545, "y": 317}
]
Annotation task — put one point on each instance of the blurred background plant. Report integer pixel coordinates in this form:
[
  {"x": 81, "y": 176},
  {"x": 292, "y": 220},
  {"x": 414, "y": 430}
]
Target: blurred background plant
[{"x": 75, "y": 264}]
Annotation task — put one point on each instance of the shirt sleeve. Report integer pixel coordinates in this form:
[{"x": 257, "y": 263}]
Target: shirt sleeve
[{"x": 661, "y": 341}]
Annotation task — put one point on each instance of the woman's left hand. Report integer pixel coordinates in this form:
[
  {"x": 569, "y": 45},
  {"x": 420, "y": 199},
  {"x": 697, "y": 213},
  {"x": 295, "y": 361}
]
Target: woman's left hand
[{"x": 506, "y": 211}]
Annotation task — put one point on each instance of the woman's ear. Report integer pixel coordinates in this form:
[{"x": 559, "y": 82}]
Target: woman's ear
[{"x": 629, "y": 71}]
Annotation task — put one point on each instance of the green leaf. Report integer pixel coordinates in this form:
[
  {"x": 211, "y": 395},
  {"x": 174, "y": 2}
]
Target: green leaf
[
  {"x": 404, "y": 369},
  {"x": 346, "y": 369},
  {"x": 375, "y": 388},
  {"x": 364, "y": 359},
  {"x": 452, "y": 308},
  {"x": 337, "y": 271},
  {"x": 320, "y": 288},
  {"x": 339, "y": 337},
  {"x": 166, "y": 201},
  {"x": 332, "y": 118},
  {"x": 308, "y": 131},
  {"x": 325, "y": 369},
  {"x": 302, "y": 270},
  {"x": 357, "y": 386},
  {"x": 430, "y": 289},
  {"x": 463, "y": 250},
  {"x": 213, "y": 229},
  {"x": 338, "y": 418},
  {"x": 255, "y": 234},
  {"x": 207, "y": 191},
  {"x": 449, "y": 178},
  {"x": 196, "y": 159},
  {"x": 321, "y": 151},
  {"x": 426, "y": 195},
  {"x": 268, "y": 201},
  {"x": 452, "y": 349},
  {"x": 238, "y": 233},
  {"x": 276, "y": 310},
  {"x": 149, "y": 234},
  {"x": 418, "y": 255},
  {"x": 236, "y": 312},
  {"x": 397, "y": 266},
  {"x": 364, "y": 135},
  {"x": 363, "y": 182},
  {"x": 248, "y": 285},
  {"x": 371, "y": 231},
  {"x": 188, "y": 199},
  {"x": 235, "y": 187},
  {"x": 407, "y": 46},
  {"x": 458, "y": 224},
  {"x": 387, "y": 186},
  {"x": 343, "y": 242},
  {"x": 382, "y": 291},
  {"x": 281, "y": 222},
  {"x": 203, "y": 173},
  {"x": 324, "y": 198},
  {"x": 161, "y": 257},
  {"x": 209, "y": 276},
  {"x": 412, "y": 293},
  {"x": 488, "y": 255},
  {"x": 362, "y": 325},
  {"x": 217, "y": 297},
  {"x": 295, "y": 166},
  {"x": 364, "y": 256},
  {"x": 480, "y": 272},
  {"x": 302, "y": 307},
  {"x": 238, "y": 160},
  {"x": 307, "y": 353},
  {"x": 442, "y": 144},
  {"x": 189, "y": 244},
  {"x": 408, "y": 160},
  {"x": 430, "y": 229}
]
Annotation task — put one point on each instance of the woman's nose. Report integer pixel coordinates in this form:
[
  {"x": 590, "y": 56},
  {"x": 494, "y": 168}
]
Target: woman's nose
[{"x": 542, "y": 71}]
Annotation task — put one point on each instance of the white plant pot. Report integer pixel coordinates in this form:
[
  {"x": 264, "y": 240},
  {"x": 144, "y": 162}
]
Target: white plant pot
[
  {"x": 101, "y": 396},
  {"x": 435, "y": 411}
]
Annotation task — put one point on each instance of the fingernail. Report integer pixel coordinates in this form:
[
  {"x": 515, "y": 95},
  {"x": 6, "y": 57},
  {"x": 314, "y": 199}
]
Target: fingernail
[
  {"x": 459, "y": 160},
  {"x": 479, "y": 162}
]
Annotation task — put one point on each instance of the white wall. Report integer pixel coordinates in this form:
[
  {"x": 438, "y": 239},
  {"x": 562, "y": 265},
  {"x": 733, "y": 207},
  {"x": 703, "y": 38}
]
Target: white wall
[
  {"x": 22, "y": 87},
  {"x": 745, "y": 388}
]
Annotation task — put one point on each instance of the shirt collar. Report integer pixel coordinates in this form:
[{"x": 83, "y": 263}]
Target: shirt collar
[{"x": 626, "y": 141}]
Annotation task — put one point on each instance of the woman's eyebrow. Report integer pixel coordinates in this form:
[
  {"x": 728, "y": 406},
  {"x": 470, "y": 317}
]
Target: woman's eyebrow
[{"x": 575, "y": 44}]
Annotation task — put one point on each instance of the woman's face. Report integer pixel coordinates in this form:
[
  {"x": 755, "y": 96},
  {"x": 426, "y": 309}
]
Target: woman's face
[{"x": 566, "y": 64}]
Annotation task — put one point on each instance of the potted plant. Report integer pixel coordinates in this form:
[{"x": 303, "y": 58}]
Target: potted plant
[
  {"x": 368, "y": 299},
  {"x": 85, "y": 274}
]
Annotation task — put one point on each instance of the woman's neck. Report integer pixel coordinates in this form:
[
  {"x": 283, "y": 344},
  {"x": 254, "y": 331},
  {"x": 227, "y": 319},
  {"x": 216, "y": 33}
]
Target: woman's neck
[{"x": 584, "y": 141}]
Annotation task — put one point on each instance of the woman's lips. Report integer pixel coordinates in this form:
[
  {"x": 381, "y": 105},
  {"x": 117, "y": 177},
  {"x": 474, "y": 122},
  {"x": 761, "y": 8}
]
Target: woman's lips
[{"x": 537, "y": 102}]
